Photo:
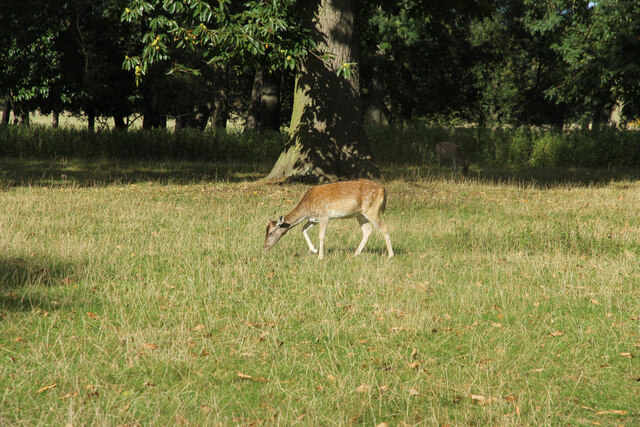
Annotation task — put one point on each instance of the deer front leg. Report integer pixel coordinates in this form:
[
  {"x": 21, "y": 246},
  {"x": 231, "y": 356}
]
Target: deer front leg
[
  {"x": 324, "y": 222},
  {"x": 305, "y": 229}
]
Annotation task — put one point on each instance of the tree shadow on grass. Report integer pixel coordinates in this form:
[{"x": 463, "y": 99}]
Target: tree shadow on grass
[
  {"x": 96, "y": 173},
  {"x": 540, "y": 177},
  {"x": 20, "y": 274}
]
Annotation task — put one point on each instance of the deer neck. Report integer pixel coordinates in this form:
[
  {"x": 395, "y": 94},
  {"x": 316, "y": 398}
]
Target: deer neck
[{"x": 296, "y": 216}]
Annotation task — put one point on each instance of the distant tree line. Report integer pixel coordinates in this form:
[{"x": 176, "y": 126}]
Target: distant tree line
[{"x": 516, "y": 62}]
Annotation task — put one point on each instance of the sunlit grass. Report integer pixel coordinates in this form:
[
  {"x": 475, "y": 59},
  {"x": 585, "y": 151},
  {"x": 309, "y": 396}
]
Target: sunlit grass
[{"x": 145, "y": 298}]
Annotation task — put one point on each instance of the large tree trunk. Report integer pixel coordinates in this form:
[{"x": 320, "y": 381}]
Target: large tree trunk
[{"x": 327, "y": 138}]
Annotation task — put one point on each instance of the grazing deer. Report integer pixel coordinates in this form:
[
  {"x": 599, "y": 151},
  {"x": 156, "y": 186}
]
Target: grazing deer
[
  {"x": 449, "y": 151},
  {"x": 345, "y": 199}
]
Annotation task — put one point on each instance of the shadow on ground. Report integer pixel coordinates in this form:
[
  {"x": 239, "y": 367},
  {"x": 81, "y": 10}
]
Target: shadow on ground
[
  {"x": 18, "y": 274},
  {"x": 88, "y": 173},
  {"x": 91, "y": 173},
  {"x": 540, "y": 177}
]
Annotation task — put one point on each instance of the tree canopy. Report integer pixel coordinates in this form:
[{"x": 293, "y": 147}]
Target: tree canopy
[{"x": 512, "y": 62}]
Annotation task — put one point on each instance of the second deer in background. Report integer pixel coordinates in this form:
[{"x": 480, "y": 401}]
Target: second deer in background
[{"x": 453, "y": 152}]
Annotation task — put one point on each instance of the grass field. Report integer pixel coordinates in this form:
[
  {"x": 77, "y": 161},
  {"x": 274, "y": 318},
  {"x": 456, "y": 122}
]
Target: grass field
[{"x": 137, "y": 293}]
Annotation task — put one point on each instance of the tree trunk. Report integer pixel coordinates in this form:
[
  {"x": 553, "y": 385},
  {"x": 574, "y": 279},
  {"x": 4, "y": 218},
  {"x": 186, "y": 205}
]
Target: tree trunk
[
  {"x": 55, "y": 120},
  {"x": 270, "y": 101},
  {"x": 91, "y": 120},
  {"x": 375, "y": 110},
  {"x": 118, "y": 121},
  {"x": 253, "y": 118},
  {"x": 151, "y": 109},
  {"x": 6, "y": 110},
  {"x": 327, "y": 140},
  {"x": 220, "y": 111}
]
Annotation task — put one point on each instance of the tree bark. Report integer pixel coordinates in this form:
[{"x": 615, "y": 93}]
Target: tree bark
[
  {"x": 327, "y": 140},
  {"x": 253, "y": 118}
]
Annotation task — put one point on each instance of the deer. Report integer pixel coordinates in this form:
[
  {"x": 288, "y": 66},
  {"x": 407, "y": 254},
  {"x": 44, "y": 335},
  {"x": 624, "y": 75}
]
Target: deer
[
  {"x": 363, "y": 199},
  {"x": 449, "y": 151}
]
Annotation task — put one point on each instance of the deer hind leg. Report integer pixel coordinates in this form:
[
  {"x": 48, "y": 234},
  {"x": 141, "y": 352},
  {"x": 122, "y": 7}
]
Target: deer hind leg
[
  {"x": 387, "y": 238},
  {"x": 367, "y": 229},
  {"x": 376, "y": 219},
  {"x": 455, "y": 165},
  {"x": 305, "y": 230},
  {"x": 324, "y": 222}
]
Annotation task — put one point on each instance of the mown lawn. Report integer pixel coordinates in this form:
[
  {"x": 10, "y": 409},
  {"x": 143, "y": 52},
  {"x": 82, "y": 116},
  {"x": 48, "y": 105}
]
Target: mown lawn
[{"x": 139, "y": 294}]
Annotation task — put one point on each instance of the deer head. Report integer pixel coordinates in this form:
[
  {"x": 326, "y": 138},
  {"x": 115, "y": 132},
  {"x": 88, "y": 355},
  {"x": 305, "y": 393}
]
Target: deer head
[{"x": 275, "y": 230}]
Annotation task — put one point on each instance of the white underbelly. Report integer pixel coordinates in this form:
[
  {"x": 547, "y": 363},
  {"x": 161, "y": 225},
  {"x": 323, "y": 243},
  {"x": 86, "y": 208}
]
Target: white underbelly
[{"x": 334, "y": 214}]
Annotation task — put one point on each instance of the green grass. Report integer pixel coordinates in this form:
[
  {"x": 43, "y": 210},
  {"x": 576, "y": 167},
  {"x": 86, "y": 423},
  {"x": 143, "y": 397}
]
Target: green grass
[{"x": 138, "y": 292}]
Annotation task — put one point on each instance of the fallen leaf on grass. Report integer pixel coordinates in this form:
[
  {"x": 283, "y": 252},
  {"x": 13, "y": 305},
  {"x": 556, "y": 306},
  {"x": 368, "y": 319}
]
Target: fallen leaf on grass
[
  {"x": 414, "y": 392},
  {"x": 46, "y": 388},
  {"x": 512, "y": 398},
  {"x": 482, "y": 400},
  {"x": 556, "y": 334},
  {"x": 612, "y": 411},
  {"x": 627, "y": 355},
  {"x": 249, "y": 377},
  {"x": 69, "y": 395},
  {"x": 149, "y": 346},
  {"x": 92, "y": 315},
  {"x": 198, "y": 327},
  {"x": 363, "y": 388}
]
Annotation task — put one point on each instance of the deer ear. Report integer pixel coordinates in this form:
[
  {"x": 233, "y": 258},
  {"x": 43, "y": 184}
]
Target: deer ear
[{"x": 280, "y": 221}]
